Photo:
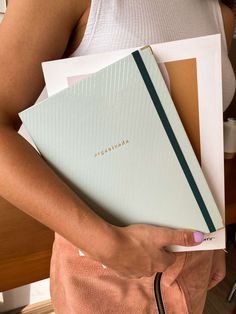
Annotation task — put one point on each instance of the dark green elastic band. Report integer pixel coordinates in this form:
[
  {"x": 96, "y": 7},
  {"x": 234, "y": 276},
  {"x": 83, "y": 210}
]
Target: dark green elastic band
[{"x": 170, "y": 133}]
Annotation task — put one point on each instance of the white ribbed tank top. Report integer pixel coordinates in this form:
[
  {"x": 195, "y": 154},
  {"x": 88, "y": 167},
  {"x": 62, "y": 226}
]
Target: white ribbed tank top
[{"x": 120, "y": 24}]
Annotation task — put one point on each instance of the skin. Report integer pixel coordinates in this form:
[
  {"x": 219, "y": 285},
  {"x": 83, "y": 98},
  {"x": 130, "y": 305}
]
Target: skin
[{"x": 33, "y": 32}]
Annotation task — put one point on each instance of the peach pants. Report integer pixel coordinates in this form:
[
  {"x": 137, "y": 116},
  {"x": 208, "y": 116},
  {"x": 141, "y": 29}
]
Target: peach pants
[{"x": 80, "y": 285}]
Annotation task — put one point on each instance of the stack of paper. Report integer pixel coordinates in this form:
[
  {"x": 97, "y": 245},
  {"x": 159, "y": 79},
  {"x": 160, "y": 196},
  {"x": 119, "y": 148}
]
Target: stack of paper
[{"x": 116, "y": 138}]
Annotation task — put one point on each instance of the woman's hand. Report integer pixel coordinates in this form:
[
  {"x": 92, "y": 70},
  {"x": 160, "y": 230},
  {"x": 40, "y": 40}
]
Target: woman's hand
[
  {"x": 218, "y": 268},
  {"x": 139, "y": 250}
]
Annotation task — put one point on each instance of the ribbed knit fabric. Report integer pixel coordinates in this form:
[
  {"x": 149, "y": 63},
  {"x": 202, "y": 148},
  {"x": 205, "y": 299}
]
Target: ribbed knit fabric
[{"x": 119, "y": 24}]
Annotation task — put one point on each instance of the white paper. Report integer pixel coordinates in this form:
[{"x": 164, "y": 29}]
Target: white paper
[
  {"x": 2, "y": 6},
  {"x": 207, "y": 51}
]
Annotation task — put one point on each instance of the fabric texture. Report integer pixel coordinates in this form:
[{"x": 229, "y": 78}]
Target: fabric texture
[
  {"x": 120, "y": 24},
  {"x": 80, "y": 285}
]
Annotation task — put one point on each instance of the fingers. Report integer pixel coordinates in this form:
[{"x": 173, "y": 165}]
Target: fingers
[
  {"x": 183, "y": 237},
  {"x": 159, "y": 264},
  {"x": 166, "y": 259}
]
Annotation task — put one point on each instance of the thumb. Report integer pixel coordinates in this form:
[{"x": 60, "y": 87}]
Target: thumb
[{"x": 184, "y": 237}]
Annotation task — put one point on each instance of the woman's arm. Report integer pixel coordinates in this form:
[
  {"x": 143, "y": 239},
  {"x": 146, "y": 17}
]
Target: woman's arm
[{"x": 32, "y": 32}]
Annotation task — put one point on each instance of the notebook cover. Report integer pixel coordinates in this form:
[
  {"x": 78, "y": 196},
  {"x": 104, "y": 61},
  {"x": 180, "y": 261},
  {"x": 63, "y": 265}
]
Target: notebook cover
[{"x": 117, "y": 140}]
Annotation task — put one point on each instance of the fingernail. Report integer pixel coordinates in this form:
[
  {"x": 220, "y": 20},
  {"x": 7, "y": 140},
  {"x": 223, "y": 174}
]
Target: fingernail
[{"x": 198, "y": 236}]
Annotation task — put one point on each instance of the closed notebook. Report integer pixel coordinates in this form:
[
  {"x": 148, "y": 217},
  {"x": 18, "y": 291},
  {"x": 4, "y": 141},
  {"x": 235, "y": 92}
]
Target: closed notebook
[{"x": 117, "y": 140}]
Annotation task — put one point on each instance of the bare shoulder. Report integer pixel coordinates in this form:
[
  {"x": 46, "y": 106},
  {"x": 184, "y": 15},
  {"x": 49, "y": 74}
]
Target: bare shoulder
[
  {"x": 32, "y": 32},
  {"x": 41, "y": 20},
  {"x": 228, "y": 19}
]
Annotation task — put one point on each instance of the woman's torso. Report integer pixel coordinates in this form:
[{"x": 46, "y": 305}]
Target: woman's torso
[
  {"x": 79, "y": 284},
  {"x": 119, "y": 24}
]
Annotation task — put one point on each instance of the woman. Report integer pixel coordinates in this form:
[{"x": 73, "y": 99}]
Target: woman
[{"x": 36, "y": 31}]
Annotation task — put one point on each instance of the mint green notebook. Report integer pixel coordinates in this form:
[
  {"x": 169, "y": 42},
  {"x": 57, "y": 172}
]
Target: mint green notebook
[{"x": 117, "y": 140}]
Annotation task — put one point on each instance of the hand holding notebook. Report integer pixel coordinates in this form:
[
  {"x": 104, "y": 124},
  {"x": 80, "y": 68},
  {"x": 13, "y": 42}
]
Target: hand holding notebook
[{"x": 116, "y": 138}]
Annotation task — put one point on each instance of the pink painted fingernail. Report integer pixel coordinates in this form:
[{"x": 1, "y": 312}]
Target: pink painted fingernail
[{"x": 198, "y": 236}]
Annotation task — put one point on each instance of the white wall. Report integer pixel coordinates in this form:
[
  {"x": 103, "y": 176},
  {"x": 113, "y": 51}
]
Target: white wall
[
  {"x": 2, "y": 6},
  {"x": 28, "y": 294}
]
